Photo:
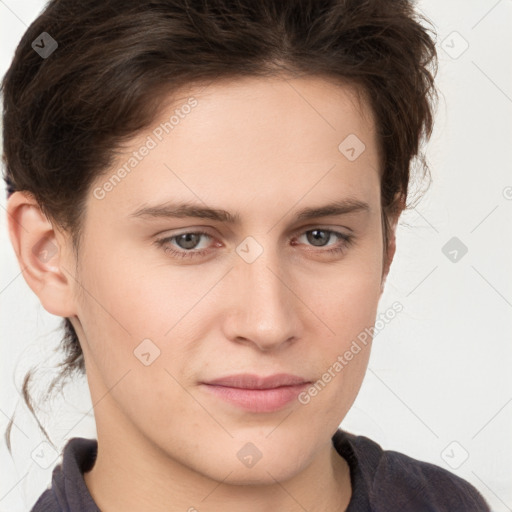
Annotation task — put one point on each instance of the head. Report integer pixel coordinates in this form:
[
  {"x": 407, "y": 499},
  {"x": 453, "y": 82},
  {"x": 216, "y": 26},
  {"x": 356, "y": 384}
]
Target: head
[{"x": 260, "y": 111}]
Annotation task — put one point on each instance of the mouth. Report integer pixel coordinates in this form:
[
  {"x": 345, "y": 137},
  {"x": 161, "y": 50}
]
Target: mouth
[{"x": 255, "y": 393}]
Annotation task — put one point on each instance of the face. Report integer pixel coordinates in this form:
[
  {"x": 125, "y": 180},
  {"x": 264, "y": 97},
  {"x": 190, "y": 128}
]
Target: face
[{"x": 167, "y": 304}]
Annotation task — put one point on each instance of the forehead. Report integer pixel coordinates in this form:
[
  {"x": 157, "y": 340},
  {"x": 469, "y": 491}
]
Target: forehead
[
  {"x": 268, "y": 141},
  {"x": 268, "y": 102}
]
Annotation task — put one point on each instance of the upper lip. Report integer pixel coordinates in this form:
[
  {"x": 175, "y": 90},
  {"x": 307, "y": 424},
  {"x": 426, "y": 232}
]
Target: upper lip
[{"x": 252, "y": 381}]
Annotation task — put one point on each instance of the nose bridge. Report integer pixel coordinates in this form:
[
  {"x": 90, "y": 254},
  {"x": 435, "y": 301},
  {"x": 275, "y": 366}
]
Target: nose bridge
[{"x": 265, "y": 303}]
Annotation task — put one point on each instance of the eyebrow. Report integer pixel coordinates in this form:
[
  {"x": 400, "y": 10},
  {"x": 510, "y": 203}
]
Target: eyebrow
[{"x": 187, "y": 209}]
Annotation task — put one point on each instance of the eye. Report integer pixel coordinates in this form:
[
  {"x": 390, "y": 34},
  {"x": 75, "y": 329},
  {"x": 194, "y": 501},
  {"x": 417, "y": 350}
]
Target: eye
[
  {"x": 319, "y": 236},
  {"x": 185, "y": 243}
]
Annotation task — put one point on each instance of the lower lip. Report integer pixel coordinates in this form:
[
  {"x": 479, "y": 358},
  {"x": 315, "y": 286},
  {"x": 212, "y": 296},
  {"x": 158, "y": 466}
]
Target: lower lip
[{"x": 258, "y": 400}]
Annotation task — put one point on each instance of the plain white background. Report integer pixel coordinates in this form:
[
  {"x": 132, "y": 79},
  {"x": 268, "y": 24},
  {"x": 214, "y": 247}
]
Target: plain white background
[{"x": 439, "y": 384}]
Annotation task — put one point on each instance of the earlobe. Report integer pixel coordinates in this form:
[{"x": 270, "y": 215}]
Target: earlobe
[{"x": 42, "y": 256}]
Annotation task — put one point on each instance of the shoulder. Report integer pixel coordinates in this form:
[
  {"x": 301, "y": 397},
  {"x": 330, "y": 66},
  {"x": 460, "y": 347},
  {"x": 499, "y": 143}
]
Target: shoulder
[
  {"x": 387, "y": 480},
  {"x": 46, "y": 503},
  {"x": 68, "y": 490}
]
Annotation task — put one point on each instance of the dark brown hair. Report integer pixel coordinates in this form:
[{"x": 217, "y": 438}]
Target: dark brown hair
[{"x": 117, "y": 60}]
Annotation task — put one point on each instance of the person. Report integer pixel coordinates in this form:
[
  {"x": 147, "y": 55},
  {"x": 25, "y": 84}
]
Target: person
[{"x": 207, "y": 192}]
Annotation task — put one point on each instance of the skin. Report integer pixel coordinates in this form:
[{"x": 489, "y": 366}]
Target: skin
[{"x": 264, "y": 148}]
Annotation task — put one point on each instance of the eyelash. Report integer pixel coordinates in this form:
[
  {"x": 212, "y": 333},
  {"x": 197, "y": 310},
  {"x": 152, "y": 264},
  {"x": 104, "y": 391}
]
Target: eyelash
[{"x": 347, "y": 240}]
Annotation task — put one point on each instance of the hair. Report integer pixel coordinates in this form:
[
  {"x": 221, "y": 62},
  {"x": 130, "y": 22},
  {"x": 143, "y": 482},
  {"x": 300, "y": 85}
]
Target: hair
[{"x": 117, "y": 61}]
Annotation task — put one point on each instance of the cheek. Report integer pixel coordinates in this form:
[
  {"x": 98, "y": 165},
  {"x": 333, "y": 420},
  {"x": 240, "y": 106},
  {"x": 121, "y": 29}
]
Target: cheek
[
  {"x": 132, "y": 316},
  {"x": 125, "y": 315},
  {"x": 347, "y": 304},
  {"x": 128, "y": 296},
  {"x": 118, "y": 311},
  {"x": 346, "y": 300}
]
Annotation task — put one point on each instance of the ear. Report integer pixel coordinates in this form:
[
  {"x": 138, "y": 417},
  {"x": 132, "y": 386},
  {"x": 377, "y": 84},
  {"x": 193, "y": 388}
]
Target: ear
[
  {"x": 44, "y": 255},
  {"x": 390, "y": 252}
]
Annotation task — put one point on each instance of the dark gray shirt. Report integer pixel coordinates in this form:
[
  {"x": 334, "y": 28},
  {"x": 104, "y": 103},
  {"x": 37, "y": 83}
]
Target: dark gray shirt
[{"x": 382, "y": 481}]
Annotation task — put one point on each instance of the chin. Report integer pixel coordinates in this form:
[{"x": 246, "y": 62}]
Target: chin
[
  {"x": 264, "y": 475},
  {"x": 264, "y": 469}
]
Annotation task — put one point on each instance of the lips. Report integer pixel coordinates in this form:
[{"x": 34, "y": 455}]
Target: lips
[
  {"x": 256, "y": 393},
  {"x": 251, "y": 381}
]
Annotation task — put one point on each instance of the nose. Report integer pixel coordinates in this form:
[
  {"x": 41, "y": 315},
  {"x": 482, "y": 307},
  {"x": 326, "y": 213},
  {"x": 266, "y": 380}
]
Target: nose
[{"x": 265, "y": 310}]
